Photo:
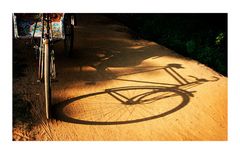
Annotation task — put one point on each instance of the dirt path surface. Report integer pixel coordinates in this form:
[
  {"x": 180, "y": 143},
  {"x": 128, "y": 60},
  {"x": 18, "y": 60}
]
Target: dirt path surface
[{"x": 115, "y": 87}]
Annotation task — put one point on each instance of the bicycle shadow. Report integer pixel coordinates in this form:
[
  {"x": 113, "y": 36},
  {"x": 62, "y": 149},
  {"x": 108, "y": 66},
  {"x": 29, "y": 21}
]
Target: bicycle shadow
[
  {"x": 115, "y": 50},
  {"x": 95, "y": 63},
  {"x": 150, "y": 100}
]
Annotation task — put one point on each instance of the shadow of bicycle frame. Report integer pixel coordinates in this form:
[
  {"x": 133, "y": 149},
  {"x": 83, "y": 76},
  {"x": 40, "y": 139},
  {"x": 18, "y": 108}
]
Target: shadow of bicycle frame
[{"x": 179, "y": 89}]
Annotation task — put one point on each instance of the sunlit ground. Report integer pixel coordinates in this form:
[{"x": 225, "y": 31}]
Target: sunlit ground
[{"x": 117, "y": 88}]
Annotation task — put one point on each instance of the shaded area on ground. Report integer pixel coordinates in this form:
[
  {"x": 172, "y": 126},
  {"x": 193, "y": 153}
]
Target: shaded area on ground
[{"x": 22, "y": 116}]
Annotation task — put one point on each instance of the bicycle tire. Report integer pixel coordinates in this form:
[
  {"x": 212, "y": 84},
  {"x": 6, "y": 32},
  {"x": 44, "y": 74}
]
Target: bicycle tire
[
  {"x": 47, "y": 80},
  {"x": 53, "y": 74},
  {"x": 40, "y": 61}
]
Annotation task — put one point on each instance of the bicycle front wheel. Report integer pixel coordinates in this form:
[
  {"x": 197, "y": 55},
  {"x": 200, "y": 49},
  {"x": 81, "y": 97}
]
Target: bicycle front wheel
[{"x": 47, "y": 84}]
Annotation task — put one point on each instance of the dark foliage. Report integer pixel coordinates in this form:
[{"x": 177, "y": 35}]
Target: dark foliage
[{"x": 200, "y": 36}]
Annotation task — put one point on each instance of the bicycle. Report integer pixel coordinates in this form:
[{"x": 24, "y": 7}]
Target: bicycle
[{"x": 47, "y": 28}]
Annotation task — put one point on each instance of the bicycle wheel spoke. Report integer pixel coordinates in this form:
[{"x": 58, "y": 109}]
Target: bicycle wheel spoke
[
  {"x": 131, "y": 112},
  {"x": 147, "y": 111},
  {"x": 116, "y": 111},
  {"x": 121, "y": 115}
]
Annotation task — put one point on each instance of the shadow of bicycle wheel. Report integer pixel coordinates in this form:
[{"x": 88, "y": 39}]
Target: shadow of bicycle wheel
[{"x": 123, "y": 105}]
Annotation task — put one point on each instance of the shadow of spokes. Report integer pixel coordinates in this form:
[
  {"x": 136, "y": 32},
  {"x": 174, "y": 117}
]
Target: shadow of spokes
[{"x": 123, "y": 105}]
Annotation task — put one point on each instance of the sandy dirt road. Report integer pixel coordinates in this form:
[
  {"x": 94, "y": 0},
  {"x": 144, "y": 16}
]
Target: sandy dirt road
[{"x": 115, "y": 87}]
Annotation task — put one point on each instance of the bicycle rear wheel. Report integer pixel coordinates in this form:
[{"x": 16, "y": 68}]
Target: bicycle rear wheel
[{"x": 40, "y": 61}]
